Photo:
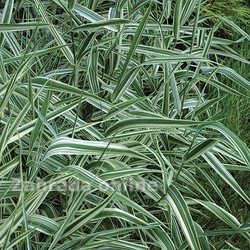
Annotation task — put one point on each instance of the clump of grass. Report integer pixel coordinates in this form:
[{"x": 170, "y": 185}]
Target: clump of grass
[
  {"x": 237, "y": 118},
  {"x": 108, "y": 135},
  {"x": 235, "y": 10}
]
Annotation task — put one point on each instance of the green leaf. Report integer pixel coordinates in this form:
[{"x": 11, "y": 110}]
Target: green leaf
[
  {"x": 102, "y": 24},
  {"x": 199, "y": 149},
  {"x": 174, "y": 59},
  {"x": 86, "y": 217},
  {"x": 149, "y": 123},
  {"x": 125, "y": 83},
  {"x": 57, "y": 36},
  {"x": 21, "y": 26},
  {"x": 43, "y": 224},
  {"x": 9, "y": 166},
  {"x": 183, "y": 216},
  {"x": 132, "y": 49},
  {"x": 6, "y": 16},
  {"x": 121, "y": 107},
  {"x": 69, "y": 146},
  {"x": 177, "y": 18},
  {"x": 225, "y": 175},
  {"x": 234, "y": 140}
]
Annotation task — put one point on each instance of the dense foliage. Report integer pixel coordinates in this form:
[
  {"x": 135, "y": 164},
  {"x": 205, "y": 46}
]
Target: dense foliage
[
  {"x": 109, "y": 139},
  {"x": 237, "y": 119}
]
